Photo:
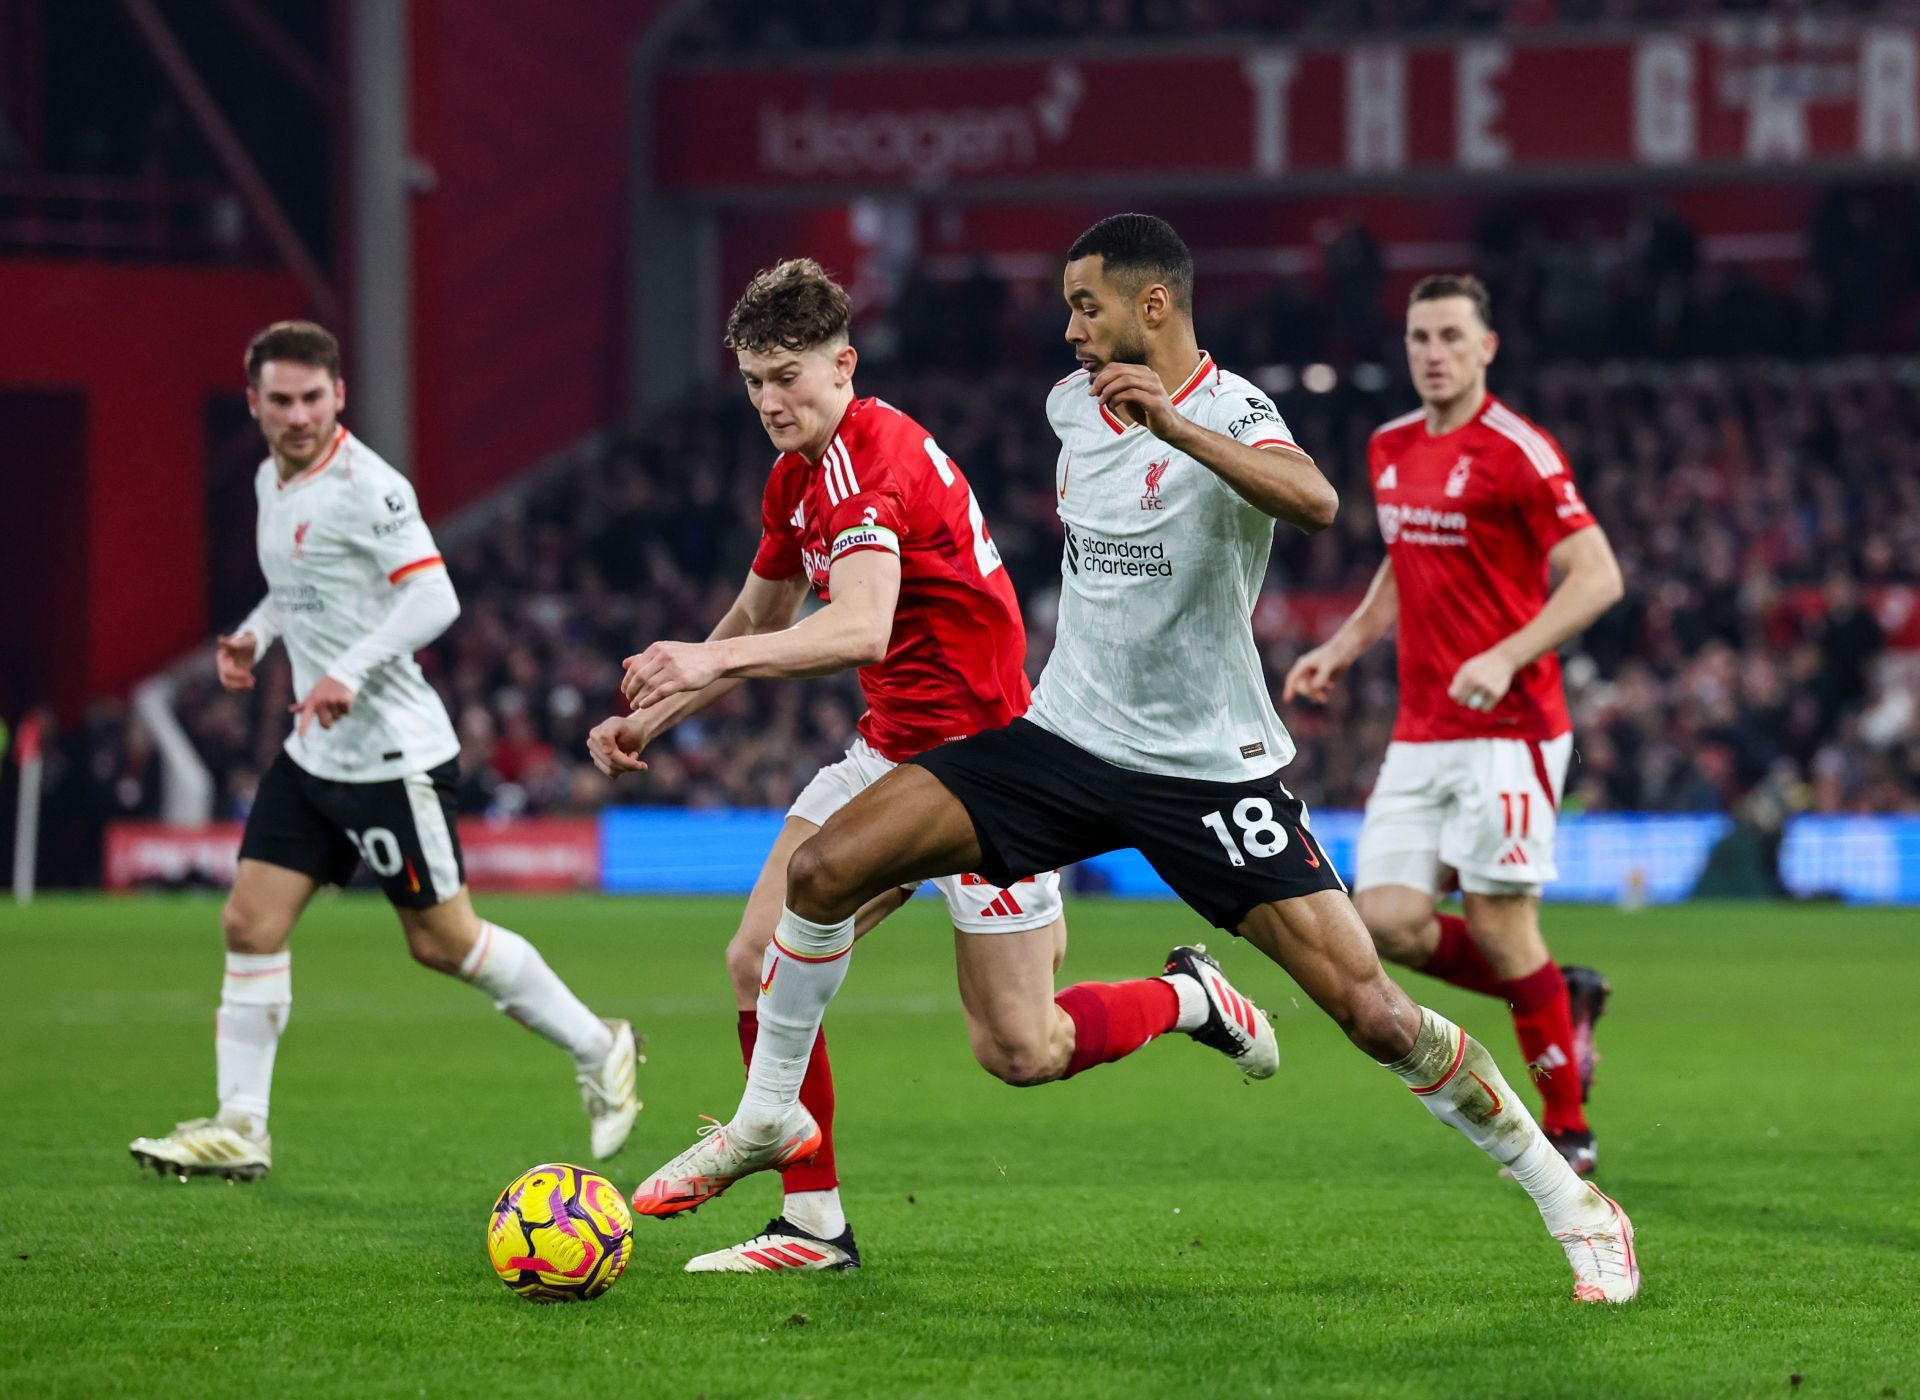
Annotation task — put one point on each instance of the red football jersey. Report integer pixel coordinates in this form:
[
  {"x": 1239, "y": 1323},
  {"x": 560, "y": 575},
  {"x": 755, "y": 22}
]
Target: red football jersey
[
  {"x": 1468, "y": 518},
  {"x": 956, "y": 663}
]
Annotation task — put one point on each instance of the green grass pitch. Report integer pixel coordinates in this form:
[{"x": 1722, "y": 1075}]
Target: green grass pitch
[{"x": 1156, "y": 1228}]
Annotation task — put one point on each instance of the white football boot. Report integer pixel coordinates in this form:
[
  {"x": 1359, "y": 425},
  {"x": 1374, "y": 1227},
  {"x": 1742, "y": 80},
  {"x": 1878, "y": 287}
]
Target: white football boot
[
  {"x": 1235, "y": 1026},
  {"x": 781, "y": 1247},
  {"x": 1605, "y": 1268},
  {"x": 207, "y": 1147},
  {"x": 719, "y": 1159},
  {"x": 607, "y": 1091}
]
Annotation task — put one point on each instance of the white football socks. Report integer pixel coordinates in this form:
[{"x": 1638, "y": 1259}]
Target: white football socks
[
  {"x": 1193, "y": 1001},
  {"x": 256, "y": 998},
  {"x": 510, "y": 970},
  {"x": 819, "y": 1213},
  {"x": 803, "y": 967},
  {"x": 1454, "y": 1076}
]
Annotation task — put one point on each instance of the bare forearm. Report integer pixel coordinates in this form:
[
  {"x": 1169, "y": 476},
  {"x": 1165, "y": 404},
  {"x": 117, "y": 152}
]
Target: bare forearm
[
  {"x": 669, "y": 712},
  {"x": 831, "y": 640},
  {"x": 1379, "y": 610},
  {"x": 1280, "y": 482},
  {"x": 1571, "y": 608}
]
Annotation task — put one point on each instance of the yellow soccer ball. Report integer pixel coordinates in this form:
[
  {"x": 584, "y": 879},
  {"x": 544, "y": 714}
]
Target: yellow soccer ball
[{"x": 560, "y": 1234}]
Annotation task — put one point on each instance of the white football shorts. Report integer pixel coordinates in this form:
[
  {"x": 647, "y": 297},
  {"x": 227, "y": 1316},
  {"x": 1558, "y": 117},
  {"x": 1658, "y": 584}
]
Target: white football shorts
[
  {"x": 976, "y": 906},
  {"x": 1484, "y": 807}
]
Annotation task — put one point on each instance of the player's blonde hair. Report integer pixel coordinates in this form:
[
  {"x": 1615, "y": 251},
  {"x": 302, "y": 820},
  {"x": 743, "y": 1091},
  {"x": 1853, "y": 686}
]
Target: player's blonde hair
[{"x": 793, "y": 305}]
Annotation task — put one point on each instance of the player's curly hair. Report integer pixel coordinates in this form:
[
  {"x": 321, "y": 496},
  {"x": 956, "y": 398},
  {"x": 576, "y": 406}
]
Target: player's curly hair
[
  {"x": 302, "y": 342},
  {"x": 793, "y": 305},
  {"x": 1455, "y": 284},
  {"x": 1136, "y": 250}
]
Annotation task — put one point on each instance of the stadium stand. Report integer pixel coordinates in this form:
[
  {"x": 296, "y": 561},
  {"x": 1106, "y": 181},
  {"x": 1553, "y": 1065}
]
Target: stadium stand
[
  {"x": 1766, "y": 510},
  {"x": 740, "y": 28}
]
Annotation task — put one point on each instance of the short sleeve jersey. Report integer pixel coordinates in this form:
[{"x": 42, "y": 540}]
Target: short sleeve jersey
[
  {"x": 1469, "y": 518},
  {"x": 956, "y": 662},
  {"x": 1154, "y": 665},
  {"x": 334, "y": 542}
]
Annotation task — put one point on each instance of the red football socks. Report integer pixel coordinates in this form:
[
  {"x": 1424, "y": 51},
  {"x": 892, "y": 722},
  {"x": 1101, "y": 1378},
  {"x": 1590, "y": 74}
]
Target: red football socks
[
  {"x": 816, "y": 1092},
  {"x": 1458, "y": 959},
  {"x": 1111, "y": 1020},
  {"x": 1544, "y": 1023}
]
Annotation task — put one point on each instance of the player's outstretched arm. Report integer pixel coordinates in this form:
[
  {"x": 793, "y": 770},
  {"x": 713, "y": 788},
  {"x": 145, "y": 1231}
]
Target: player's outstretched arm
[
  {"x": 424, "y": 606},
  {"x": 1314, "y": 674},
  {"x": 852, "y": 630},
  {"x": 1589, "y": 584},
  {"x": 764, "y": 605}
]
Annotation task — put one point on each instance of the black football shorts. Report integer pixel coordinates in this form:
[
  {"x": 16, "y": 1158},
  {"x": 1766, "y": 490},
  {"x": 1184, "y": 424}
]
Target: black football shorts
[
  {"x": 1039, "y": 802},
  {"x": 403, "y": 829}
]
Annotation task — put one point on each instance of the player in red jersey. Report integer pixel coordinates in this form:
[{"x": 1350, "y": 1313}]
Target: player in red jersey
[
  {"x": 1477, "y": 506},
  {"x": 864, "y": 509}
]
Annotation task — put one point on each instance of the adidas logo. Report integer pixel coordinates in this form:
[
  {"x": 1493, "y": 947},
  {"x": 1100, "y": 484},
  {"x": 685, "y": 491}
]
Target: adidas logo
[
  {"x": 799, "y": 517},
  {"x": 1234, "y": 1005},
  {"x": 1389, "y": 479},
  {"x": 1515, "y": 856},
  {"x": 1004, "y": 906},
  {"x": 1552, "y": 1058}
]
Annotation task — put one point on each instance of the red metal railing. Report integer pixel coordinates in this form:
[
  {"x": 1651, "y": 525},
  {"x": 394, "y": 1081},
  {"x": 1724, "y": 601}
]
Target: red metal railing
[{"x": 131, "y": 216}]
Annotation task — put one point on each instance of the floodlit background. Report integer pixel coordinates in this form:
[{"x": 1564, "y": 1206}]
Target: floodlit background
[
  {"x": 1700, "y": 225},
  {"x": 1700, "y": 221}
]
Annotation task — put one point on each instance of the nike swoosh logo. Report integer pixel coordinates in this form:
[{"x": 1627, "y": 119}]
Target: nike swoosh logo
[
  {"x": 1489, "y": 1088},
  {"x": 1306, "y": 846},
  {"x": 767, "y": 985}
]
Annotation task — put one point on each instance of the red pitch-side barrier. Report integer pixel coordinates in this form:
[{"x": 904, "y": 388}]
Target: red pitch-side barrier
[{"x": 539, "y": 854}]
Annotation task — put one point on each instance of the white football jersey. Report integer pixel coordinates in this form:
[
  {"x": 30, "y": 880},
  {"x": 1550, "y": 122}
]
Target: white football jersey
[
  {"x": 333, "y": 543},
  {"x": 1154, "y": 665}
]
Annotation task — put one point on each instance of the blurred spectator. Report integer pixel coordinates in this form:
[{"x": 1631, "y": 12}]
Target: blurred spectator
[
  {"x": 735, "y": 27},
  {"x": 1745, "y": 654},
  {"x": 1763, "y": 502}
]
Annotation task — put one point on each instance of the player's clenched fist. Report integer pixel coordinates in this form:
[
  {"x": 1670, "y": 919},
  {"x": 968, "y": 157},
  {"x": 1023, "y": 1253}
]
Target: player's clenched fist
[
  {"x": 1313, "y": 675},
  {"x": 615, "y": 745},
  {"x": 667, "y": 668},
  {"x": 1135, "y": 393},
  {"x": 1482, "y": 681},
  {"x": 233, "y": 657}
]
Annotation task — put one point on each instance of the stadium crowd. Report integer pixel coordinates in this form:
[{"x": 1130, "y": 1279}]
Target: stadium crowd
[
  {"x": 738, "y": 28},
  {"x": 1761, "y": 487}
]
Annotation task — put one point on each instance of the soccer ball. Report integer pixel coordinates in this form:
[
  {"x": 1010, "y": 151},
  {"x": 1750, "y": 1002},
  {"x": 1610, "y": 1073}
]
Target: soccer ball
[{"x": 559, "y": 1234}]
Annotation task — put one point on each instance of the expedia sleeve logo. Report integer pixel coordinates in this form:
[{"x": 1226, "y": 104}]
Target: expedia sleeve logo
[
  {"x": 863, "y": 537},
  {"x": 1258, "y": 411}
]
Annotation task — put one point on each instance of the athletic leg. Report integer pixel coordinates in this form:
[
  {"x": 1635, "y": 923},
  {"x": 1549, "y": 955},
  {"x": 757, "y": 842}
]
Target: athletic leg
[
  {"x": 256, "y": 995},
  {"x": 1321, "y": 943},
  {"x": 1019, "y": 1031},
  {"x": 1407, "y": 929},
  {"x": 811, "y": 1189},
  {"x": 905, "y": 827},
  {"x": 1398, "y": 867},
  {"x": 1507, "y": 928},
  {"x": 256, "y": 998},
  {"x": 451, "y": 937}
]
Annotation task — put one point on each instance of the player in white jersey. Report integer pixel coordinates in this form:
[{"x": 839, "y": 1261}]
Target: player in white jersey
[
  {"x": 1170, "y": 476},
  {"x": 355, "y": 587}
]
